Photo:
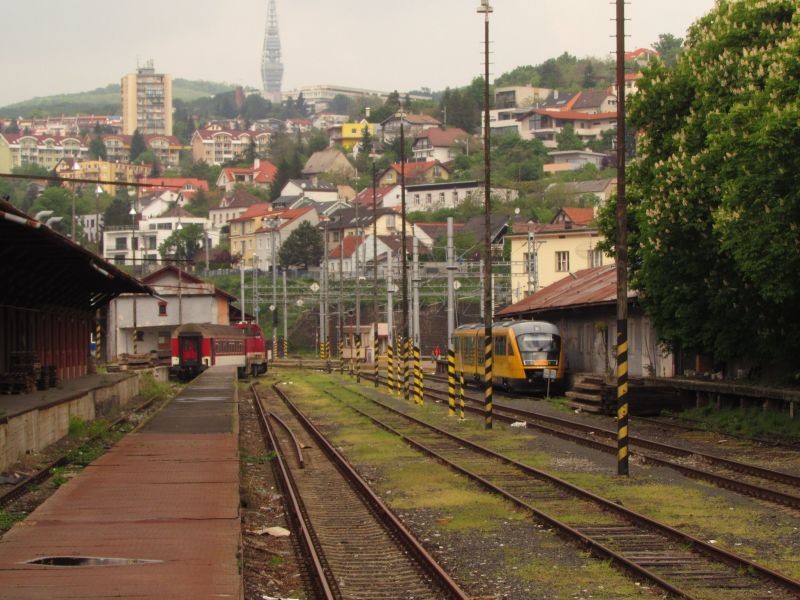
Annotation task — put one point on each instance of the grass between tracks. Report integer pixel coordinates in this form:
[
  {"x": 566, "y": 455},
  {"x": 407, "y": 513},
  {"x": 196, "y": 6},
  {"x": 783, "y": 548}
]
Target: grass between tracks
[
  {"x": 479, "y": 536},
  {"x": 760, "y": 531}
]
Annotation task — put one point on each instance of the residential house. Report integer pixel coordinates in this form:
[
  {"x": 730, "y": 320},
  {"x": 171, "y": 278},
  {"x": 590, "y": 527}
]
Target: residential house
[
  {"x": 517, "y": 96},
  {"x": 345, "y": 192},
  {"x": 584, "y": 307},
  {"x": 440, "y": 143},
  {"x": 384, "y": 196},
  {"x": 573, "y": 160},
  {"x": 413, "y": 126},
  {"x": 358, "y": 221},
  {"x": 276, "y": 227},
  {"x": 476, "y": 227},
  {"x": 429, "y": 233},
  {"x": 323, "y": 208},
  {"x": 21, "y": 149},
  {"x": 415, "y": 172},
  {"x": 361, "y": 248},
  {"x": 325, "y": 120},
  {"x": 329, "y": 161},
  {"x": 631, "y": 84},
  {"x": 641, "y": 56},
  {"x": 217, "y": 146},
  {"x": 187, "y": 187},
  {"x": 320, "y": 190},
  {"x": 543, "y": 253},
  {"x": 166, "y": 148},
  {"x": 261, "y": 175},
  {"x": 180, "y": 297},
  {"x": 243, "y": 229},
  {"x": 505, "y": 120},
  {"x": 101, "y": 170},
  {"x": 297, "y": 125},
  {"x": 156, "y": 204},
  {"x": 231, "y": 206},
  {"x": 92, "y": 225},
  {"x": 349, "y": 135},
  {"x": 601, "y": 189},
  {"x": 545, "y": 125},
  {"x": 594, "y": 102},
  {"x": 575, "y": 216},
  {"x": 450, "y": 194},
  {"x": 139, "y": 243}
]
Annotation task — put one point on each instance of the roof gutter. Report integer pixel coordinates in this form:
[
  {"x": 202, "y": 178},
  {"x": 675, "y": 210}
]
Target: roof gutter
[{"x": 20, "y": 220}]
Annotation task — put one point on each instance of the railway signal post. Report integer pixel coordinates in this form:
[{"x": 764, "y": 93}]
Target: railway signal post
[{"x": 622, "y": 255}]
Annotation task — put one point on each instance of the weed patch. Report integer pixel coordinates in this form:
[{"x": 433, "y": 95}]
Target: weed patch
[
  {"x": 7, "y": 519},
  {"x": 746, "y": 422}
]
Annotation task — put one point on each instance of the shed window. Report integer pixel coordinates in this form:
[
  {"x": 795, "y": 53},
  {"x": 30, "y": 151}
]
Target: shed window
[{"x": 162, "y": 309}]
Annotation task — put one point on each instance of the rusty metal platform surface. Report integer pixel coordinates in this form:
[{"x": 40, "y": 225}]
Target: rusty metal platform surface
[{"x": 167, "y": 497}]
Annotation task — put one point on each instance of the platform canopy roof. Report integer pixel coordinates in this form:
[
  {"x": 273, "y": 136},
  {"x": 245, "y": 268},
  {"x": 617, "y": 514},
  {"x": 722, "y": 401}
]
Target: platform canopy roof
[{"x": 41, "y": 268}]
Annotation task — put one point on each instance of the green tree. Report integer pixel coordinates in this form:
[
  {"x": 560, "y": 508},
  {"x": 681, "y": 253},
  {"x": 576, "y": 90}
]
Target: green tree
[
  {"x": 714, "y": 193},
  {"x": 669, "y": 47},
  {"x": 137, "y": 145},
  {"x": 97, "y": 149},
  {"x": 12, "y": 127},
  {"x": 183, "y": 243},
  {"x": 567, "y": 139},
  {"x": 302, "y": 248}
]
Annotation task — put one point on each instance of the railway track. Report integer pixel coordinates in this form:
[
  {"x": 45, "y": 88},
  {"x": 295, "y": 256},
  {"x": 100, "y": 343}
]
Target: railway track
[
  {"x": 750, "y": 480},
  {"x": 22, "y": 488},
  {"x": 678, "y": 563},
  {"x": 353, "y": 544}
]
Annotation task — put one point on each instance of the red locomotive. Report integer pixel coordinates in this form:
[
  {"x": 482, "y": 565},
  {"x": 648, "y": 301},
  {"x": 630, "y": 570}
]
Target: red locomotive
[{"x": 195, "y": 347}]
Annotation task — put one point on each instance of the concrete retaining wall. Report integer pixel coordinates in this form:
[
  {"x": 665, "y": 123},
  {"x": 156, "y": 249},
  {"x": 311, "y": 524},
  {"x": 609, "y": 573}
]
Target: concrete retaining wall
[{"x": 34, "y": 430}]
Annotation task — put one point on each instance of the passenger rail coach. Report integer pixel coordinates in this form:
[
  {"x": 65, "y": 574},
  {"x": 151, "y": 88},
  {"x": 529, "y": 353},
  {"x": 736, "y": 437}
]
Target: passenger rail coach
[
  {"x": 195, "y": 347},
  {"x": 526, "y": 355}
]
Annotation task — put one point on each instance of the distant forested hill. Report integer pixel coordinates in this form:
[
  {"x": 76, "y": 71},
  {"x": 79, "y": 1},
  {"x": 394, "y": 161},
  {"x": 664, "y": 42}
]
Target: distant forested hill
[{"x": 105, "y": 100}]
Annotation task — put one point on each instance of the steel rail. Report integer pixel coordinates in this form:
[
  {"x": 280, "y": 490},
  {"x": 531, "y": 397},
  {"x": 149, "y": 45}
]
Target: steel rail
[
  {"x": 426, "y": 560},
  {"x": 700, "y": 546},
  {"x": 320, "y": 574},
  {"x": 297, "y": 447},
  {"x": 748, "y": 469}
]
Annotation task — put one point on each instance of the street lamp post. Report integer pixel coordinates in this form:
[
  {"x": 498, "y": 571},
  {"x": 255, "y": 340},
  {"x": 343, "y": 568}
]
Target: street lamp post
[{"x": 485, "y": 9}]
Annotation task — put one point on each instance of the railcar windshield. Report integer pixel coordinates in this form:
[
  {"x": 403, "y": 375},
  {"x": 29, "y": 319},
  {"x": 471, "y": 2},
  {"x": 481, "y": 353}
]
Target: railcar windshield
[{"x": 539, "y": 348}]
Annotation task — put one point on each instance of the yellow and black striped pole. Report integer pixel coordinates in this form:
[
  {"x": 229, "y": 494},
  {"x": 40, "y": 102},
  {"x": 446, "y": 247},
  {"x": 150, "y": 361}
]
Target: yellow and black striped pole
[
  {"x": 390, "y": 367},
  {"x": 488, "y": 408},
  {"x": 98, "y": 332},
  {"x": 451, "y": 381},
  {"x": 622, "y": 397},
  {"x": 397, "y": 360},
  {"x": 286, "y": 348},
  {"x": 406, "y": 369},
  {"x": 358, "y": 358},
  {"x": 375, "y": 350},
  {"x": 421, "y": 383},
  {"x": 461, "y": 392},
  {"x": 417, "y": 376}
]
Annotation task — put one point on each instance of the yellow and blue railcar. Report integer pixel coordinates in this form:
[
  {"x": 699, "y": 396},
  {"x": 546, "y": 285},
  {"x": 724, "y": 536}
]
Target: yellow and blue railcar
[{"x": 525, "y": 355}]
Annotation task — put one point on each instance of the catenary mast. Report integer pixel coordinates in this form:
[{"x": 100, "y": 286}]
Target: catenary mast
[{"x": 271, "y": 65}]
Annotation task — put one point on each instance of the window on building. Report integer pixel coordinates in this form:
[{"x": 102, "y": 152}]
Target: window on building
[
  {"x": 455, "y": 197},
  {"x": 121, "y": 243},
  {"x": 416, "y": 199},
  {"x": 562, "y": 262},
  {"x": 162, "y": 309},
  {"x": 389, "y": 221},
  {"x": 441, "y": 198},
  {"x": 428, "y": 199},
  {"x": 151, "y": 242},
  {"x": 139, "y": 335},
  {"x": 595, "y": 258}
]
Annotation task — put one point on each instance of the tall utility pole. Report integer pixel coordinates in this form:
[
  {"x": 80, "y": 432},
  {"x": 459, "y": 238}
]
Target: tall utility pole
[
  {"x": 403, "y": 259},
  {"x": 274, "y": 289},
  {"x": 451, "y": 316},
  {"x": 622, "y": 255},
  {"x": 255, "y": 288},
  {"x": 375, "y": 318},
  {"x": 415, "y": 291},
  {"x": 341, "y": 293},
  {"x": 326, "y": 293},
  {"x": 357, "y": 335},
  {"x": 242, "y": 297},
  {"x": 487, "y": 235},
  {"x": 285, "y": 317}
]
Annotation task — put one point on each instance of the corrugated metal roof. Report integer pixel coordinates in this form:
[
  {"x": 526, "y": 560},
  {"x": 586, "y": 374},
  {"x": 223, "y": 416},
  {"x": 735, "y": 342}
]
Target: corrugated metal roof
[{"x": 583, "y": 288}]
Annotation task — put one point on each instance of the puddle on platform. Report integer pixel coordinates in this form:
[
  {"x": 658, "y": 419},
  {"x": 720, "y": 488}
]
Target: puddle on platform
[{"x": 88, "y": 561}]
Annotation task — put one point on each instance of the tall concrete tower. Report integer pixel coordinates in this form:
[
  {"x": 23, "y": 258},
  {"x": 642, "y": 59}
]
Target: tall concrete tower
[{"x": 271, "y": 65}]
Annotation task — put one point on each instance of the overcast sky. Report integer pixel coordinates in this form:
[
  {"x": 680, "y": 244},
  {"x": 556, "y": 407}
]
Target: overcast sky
[{"x": 60, "y": 47}]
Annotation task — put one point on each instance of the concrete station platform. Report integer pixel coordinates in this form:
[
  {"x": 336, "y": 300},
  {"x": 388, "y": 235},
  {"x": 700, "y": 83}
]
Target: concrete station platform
[{"x": 163, "y": 504}]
